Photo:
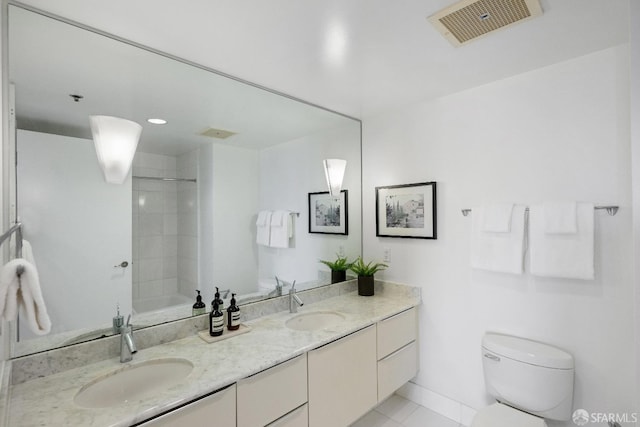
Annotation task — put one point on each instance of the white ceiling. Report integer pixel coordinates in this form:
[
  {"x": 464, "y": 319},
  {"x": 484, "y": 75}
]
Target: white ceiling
[{"x": 357, "y": 57}]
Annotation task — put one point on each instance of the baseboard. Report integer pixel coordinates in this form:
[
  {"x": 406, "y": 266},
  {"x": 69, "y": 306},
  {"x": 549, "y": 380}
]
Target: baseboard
[{"x": 443, "y": 405}]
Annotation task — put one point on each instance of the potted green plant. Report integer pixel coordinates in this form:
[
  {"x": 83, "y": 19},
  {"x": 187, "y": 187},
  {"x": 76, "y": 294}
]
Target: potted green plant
[
  {"x": 338, "y": 268},
  {"x": 365, "y": 274}
]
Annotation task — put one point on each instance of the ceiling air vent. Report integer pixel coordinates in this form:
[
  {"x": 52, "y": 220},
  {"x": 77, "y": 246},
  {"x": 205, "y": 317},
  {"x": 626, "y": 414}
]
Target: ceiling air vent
[
  {"x": 470, "y": 19},
  {"x": 216, "y": 133}
]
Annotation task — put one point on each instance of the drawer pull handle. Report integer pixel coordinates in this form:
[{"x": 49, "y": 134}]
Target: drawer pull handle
[{"x": 492, "y": 357}]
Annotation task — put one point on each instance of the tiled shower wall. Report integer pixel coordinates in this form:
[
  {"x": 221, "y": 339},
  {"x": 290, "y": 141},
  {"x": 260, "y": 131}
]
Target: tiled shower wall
[{"x": 164, "y": 212}]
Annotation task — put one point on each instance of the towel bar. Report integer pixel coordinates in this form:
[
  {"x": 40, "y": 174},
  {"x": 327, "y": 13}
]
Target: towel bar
[{"x": 611, "y": 210}]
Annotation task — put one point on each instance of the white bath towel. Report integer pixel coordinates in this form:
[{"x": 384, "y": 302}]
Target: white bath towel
[
  {"x": 501, "y": 252},
  {"x": 563, "y": 255},
  {"x": 27, "y": 251},
  {"x": 497, "y": 218},
  {"x": 23, "y": 291},
  {"x": 560, "y": 217},
  {"x": 281, "y": 229},
  {"x": 263, "y": 228}
]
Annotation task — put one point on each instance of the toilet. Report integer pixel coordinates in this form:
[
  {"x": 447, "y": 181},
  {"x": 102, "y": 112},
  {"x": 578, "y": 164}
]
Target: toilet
[{"x": 531, "y": 382}]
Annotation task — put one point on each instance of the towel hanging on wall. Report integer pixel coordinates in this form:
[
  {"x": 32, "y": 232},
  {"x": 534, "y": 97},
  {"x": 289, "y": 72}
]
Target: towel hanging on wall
[
  {"x": 281, "y": 229},
  {"x": 23, "y": 291},
  {"x": 560, "y": 253},
  {"x": 498, "y": 251},
  {"x": 263, "y": 228}
]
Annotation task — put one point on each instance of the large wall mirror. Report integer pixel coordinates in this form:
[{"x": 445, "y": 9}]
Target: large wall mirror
[{"x": 185, "y": 218}]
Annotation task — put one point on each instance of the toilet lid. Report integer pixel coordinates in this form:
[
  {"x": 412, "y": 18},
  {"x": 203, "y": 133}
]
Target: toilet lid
[{"x": 499, "y": 415}]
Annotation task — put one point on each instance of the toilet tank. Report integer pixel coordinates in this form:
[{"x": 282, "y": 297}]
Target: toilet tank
[{"x": 534, "y": 377}]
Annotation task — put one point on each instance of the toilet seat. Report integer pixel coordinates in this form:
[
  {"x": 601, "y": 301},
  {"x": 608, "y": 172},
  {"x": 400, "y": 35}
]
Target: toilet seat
[{"x": 499, "y": 415}]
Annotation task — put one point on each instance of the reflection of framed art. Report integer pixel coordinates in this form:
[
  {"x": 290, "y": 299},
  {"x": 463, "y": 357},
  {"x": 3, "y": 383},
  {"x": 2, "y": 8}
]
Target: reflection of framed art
[
  {"x": 406, "y": 211},
  {"x": 328, "y": 215}
]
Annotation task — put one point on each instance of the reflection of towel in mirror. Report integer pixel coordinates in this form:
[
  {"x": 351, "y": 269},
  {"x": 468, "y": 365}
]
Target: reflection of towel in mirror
[
  {"x": 25, "y": 291},
  {"x": 263, "y": 228},
  {"x": 281, "y": 229}
]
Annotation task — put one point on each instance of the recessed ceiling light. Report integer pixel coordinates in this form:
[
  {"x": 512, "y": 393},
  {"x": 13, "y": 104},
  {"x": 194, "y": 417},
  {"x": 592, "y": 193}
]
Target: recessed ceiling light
[{"x": 157, "y": 121}]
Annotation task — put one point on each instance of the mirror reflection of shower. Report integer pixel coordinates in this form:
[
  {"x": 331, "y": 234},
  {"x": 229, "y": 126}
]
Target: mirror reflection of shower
[{"x": 165, "y": 231}]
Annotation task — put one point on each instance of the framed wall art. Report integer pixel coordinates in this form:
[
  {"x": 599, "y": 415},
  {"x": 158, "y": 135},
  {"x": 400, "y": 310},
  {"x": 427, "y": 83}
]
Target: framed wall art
[
  {"x": 407, "y": 211},
  {"x": 329, "y": 215}
]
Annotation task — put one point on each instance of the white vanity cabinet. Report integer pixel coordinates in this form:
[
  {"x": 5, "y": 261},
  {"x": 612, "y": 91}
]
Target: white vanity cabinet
[
  {"x": 217, "y": 409},
  {"x": 397, "y": 351},
  {"x": 342, "y": 379},
  {"x": 273, "y": 393}
]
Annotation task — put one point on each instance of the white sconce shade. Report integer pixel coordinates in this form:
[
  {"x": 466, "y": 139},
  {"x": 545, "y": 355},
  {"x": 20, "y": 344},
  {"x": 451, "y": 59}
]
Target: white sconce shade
[
  {"x": 334, "y": 172},
  {"x": 116, "y": 141}
]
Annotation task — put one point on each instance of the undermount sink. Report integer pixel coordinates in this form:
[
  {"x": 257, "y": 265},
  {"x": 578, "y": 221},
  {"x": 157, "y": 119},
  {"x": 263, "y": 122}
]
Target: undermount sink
[
  {"x": 133, "y": 382},
  {"x": 314, "y": 321}
]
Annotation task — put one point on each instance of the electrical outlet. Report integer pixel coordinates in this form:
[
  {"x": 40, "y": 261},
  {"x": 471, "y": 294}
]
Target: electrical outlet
[
  {"x": 341, "y": 251},
  {"x": 387, "y": 255}
]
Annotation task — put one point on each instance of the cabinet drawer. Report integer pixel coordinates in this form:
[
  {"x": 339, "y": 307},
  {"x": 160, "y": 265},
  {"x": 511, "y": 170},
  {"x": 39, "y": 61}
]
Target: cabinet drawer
[
  {"x": 219, "y": 406},
  {"x": 342, "y": 379},
  {"x": 297, "y": 418},
  {"x": 270, "y": 394},
  {"x": 397, "y": 331},
  {"x": 396, "y": 369}
]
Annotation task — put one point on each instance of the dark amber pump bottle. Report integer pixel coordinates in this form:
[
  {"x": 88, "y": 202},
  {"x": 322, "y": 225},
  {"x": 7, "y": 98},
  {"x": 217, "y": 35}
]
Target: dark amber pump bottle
[
  {"x": 233, "y": 315},
  {"x": 216, "y": 321}
]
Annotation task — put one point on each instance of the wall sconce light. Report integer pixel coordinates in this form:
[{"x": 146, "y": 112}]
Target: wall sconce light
[
  {"x": 334, "y": 172},
  {"x": 115, "y": 140}
]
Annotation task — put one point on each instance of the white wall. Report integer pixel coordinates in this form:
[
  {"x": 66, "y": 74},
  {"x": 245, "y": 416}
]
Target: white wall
[
  {"x": 228, "y": 185},
  {"x": 79, "y": 227},
  {"x": 235, "y": 199},
  {"x": 557, "y": 133},
  {"x": 288, "y": 173}
]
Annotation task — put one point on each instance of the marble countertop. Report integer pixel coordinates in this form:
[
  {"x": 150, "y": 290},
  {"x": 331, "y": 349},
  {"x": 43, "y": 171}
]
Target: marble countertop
[{"x": 49, "y": 400}]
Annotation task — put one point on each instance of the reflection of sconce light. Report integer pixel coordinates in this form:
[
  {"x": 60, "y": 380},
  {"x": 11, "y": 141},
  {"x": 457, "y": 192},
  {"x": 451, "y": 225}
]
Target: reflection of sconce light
[
  {"x": 334, "y": 171},
  {"x": 116, "y": 141}
]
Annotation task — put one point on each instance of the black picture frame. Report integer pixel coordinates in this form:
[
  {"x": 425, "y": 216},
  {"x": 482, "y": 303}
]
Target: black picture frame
[
  {"x": 407, "y": 211},
  {"x": 322, "y": 213}
]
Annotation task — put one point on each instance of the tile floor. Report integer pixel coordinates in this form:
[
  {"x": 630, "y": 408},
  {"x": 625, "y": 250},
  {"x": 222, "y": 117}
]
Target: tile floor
[{"x": 397, "y": 411}]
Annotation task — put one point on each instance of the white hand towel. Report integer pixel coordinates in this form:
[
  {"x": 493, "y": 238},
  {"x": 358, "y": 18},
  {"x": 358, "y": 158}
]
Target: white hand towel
[
  {"x": 563, "y": 255},
  {"x": 281, "y": 229},
  {"x": 501, "y": 252},
  {"x": 497, "y": 218},
  {"x": 263, "y": 228},
  {"x": 24, "y": 291},
  {"x": 560, "y": 217}
]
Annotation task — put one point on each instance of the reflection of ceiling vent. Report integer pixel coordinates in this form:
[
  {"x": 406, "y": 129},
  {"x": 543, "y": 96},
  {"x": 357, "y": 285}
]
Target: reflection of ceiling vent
[
  {"x": 217, "y": 133},
  {"x": 470, "y": 19}
]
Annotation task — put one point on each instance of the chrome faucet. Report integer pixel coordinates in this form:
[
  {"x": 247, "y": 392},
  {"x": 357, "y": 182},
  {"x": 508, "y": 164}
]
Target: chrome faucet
[
  {"x": 127, "y": 346},
  {"x": 294, "y": 299}
]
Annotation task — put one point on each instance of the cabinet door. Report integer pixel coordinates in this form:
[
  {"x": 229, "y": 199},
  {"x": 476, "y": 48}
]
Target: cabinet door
[
  {"x": 396, "y": 369},
  {"x": 297, "y": 418},
  {"x": 343, "y": 379},
  {"x": 272, "y": 393},
  {"x": 218, "y": 408}
]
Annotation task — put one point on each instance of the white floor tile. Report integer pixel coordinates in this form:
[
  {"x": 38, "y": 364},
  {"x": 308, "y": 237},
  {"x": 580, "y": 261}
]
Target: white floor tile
[
  {"x": 423, "y": 417},
  {"x": 397, "y": 408},
  {"x": 375, "y": 419}
]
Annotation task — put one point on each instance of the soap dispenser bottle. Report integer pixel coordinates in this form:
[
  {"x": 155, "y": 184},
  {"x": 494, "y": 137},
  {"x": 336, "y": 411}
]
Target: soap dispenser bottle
[
  {"x": 216, "y": 321},
  {"x": 218, "y": 300},
  {"x": 199, "y": 307},
  {"x": 233, "y": 315}
]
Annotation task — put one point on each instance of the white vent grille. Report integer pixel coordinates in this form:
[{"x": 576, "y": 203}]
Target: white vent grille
[
  {"x": 470, "y": 19},
  {"x": 217, "y": 133}
]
